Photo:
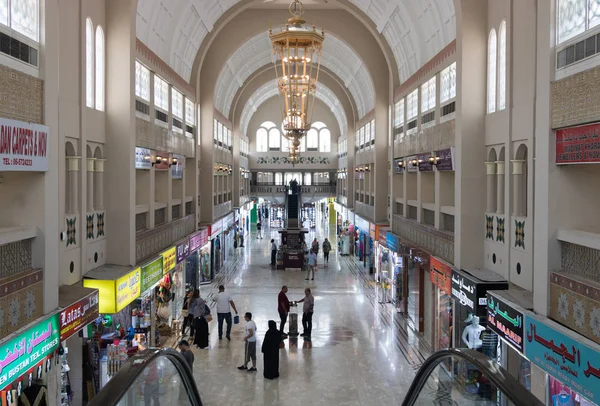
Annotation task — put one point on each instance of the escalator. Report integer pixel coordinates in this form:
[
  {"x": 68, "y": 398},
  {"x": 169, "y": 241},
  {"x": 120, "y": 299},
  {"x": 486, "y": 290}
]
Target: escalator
[
  {"x": 466, "y": 377},
  {"x": 293, "y": 210},
  {"x": 151, "y": 377}
]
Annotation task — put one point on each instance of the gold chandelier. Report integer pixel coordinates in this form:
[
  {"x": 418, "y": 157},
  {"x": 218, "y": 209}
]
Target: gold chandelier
[{"x": 298, "y": 50}]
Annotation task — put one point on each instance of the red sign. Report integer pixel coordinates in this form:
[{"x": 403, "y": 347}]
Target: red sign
[
  {"x": 440, "y": 275},
  {"x": 199, "y": 240},
  {"x": 78, "y": 315},
  {"x": 578, "y": 144},
  {"x": 373, "y": 231}
]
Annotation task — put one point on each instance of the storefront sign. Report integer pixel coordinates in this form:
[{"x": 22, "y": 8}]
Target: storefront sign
[
  {"x": 464, "y": 290},
  {"x": 78, "y": 315},
  {"x": 471, "y": 291},
  {"x": 440, "y": 275},
  {"x": 169, "y": 259},
  {"x": 22, "y": 353},
  {"x": 23, "y": 146},
  {"x": 183, "y": 251},
  {"x": 362, "y": 224},
  {"x": 505, "y": 321},
  {"x": 392, "y": 241},
  {"x": 143, "y": 158},
  {"x": 578, "y": 144},
  {"x": 399, "y": 169},
  {"x": 228, "y": 220},
  {"x": 178, "y": 166},
  {"x": 216, "y": 228},
  {"x": 565, "y": 355},
  {"x": 152, "y": 273},
  {"x": 114, "y": 295},
  {"x": 410, "y": 167},
  {"x": 373, "y": 231},
  {"x": 199, "y": 240},
  {"x": 446, "y": 161},
  {"x": 424, "y": 164}
]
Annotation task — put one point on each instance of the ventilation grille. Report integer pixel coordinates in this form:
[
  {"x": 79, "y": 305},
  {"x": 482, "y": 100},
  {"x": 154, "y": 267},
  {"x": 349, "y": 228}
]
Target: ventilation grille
[
  {"x": 18, "y": 50},
  {"x": 448, "y": 109},
  {"x": 177, "y": 124},
  {"x": 412, "y": 124},
  {"x": 162, "y": 116},
  {"x": 142, "y": 107},
  {"x": 578, "y": 51},
  {"x": 428, "y": 118},
  {"x": 398, "y": 131},
  {"x": 189, "y": 129}
]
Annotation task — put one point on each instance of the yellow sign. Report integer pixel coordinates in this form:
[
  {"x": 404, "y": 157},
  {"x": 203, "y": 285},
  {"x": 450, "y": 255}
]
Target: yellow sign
[
  {"x": 113, "y": 295},
  {"x": 169, "y": 259}
]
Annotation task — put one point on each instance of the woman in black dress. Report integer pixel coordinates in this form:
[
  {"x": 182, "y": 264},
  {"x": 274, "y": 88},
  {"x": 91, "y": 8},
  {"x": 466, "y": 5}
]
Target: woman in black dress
[
  {"x": 270, "y": 349},
  {"x": 198, "y": 309}
]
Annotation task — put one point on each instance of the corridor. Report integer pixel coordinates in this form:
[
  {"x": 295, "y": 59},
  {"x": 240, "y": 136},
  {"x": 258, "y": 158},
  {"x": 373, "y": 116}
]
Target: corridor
[{"x": 361, "y": 352}]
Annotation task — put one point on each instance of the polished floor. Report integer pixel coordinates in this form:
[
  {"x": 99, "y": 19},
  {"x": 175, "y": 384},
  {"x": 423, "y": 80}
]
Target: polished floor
[{"x": 361, "y": 353}]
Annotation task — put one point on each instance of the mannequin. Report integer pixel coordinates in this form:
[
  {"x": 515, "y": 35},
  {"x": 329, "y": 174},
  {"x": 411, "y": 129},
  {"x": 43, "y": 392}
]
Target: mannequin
[{"x": 471, "y": 335}]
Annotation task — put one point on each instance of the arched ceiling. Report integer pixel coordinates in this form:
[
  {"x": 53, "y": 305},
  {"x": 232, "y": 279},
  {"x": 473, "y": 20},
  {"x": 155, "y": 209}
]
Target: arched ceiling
[
  {"x": 337, "y": 56},
  {"x": 269, "y": 90},
  {"x": 416, "y": 30}
]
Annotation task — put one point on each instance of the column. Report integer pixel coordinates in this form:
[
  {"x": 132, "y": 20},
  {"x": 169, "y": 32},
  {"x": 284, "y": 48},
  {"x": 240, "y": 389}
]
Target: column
[
  {"x": 500, "y": 185},
  {"x": 491, "y": 186},
  {"x": 517, "y": 172},
  {"x": 73, "y": 172},
  {"x": 99, "y": 184},
  {"x": 90, "y": 185}
]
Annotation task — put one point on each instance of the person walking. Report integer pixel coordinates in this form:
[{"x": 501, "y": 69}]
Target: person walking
[
  {"x": 198, "y": 309},
  {"x": 241, "y": 235},
  {"x": 249, "y": 344},
  {"x": 315, "y": 246},
  {"x": 273, "y": 252},
  {"x": 312, "y": 264},
  {"x": 187, "y": 353},
  {"x": 270, "y": 350},
  {"x": 259, "y": 230},
  {"x": 188, "y": 318},
  {"x": 308, "y": 308},
  {"x": 283, "y": 307},
  {"x": 326, "y": 249},
  {"x": 223, "y": 312}
]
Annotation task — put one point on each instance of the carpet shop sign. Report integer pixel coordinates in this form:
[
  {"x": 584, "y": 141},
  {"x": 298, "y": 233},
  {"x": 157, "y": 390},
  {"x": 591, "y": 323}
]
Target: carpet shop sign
[{"x": 23, "y": 146}]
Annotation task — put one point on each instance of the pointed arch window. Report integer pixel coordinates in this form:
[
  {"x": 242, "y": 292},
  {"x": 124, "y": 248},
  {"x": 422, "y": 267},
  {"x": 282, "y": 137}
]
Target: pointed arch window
[
  {"x": 492, "y": 72},
  {"x": 99, "y": 69},
  {"x": 274, "y": 139},
  {"x": 89, "y": 63},
  {"x": 312, "y": 140},
  {"x": 502, "y": 66}
]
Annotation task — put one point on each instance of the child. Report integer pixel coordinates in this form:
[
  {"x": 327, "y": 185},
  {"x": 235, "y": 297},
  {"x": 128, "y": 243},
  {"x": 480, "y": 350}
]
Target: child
[
  {"x": 250, "y": 344},
  {"x": 187, "y": 353}
]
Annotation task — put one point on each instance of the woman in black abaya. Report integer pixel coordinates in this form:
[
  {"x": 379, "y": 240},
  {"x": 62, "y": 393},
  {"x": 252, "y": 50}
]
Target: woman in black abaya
[
  {"x": 270, "y": 350},
  {"x": 198, "y": 308}
]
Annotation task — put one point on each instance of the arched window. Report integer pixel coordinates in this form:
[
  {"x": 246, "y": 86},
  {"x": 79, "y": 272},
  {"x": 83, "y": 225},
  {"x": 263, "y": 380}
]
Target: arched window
[
  {"x": 274, "y": 139},
  {"x": 502, "y": 66},
  {"x": 278, "y": 178},
  {"x": 89, "y": 63},
  {"x": 99, "y": 69},
  {"x": 308, "y": 178},
  {"x": 285, "y": 144},
  {"x": 324, "y": 140},
  {"x": 262, "y": 140},
  {"x": 492, "y": 68},
  {"x": 312, "y": 140}
]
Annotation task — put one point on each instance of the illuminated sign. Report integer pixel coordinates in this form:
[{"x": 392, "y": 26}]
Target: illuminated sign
[
  {"x": 152, "y": 273},
  {"x": 115, "y": 295},
  {"x": 78, "y": 315},
  {"x": 505, "y": 321},
  {"x": 169, "y": 259}
]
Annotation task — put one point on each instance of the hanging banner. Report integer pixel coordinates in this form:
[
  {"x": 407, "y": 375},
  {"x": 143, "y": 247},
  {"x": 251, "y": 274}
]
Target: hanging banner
[
  {"x": 399, "y": 165},
  {"x": 362, "y": 224},
  {"x": 392, "y": 241},
  {"x": 410, "y": 167},
  {"x": 505, "y": 320},
  {"x": 199, "y": 240},
  {"x": 23, "y": 146},
  {"x": 578, "y": 145},
  {"x": 169, "y": 259},
  {"x": 114, "y": 295},
  {"x": 152, "y": 273}
]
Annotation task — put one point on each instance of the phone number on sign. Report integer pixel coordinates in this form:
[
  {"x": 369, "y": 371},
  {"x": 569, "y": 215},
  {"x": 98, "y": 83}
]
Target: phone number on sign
[{"x": 17, "y": 161}]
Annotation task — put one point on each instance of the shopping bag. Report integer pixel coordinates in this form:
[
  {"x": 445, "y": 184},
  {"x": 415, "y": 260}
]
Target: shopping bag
[{"x": 236, "y": 319}]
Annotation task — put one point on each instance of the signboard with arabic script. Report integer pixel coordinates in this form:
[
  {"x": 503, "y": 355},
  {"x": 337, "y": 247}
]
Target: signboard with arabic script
[
  {"x": 470, "y": 291},
  {"x": 505, "y": 321},
  {"x": 564, "y": 354},
  {"x": 578, "y": 145},
  {"x": 152, "y": 273},
  {"x": 28, "y": 348},
  {"x": 78, "y": 315}
]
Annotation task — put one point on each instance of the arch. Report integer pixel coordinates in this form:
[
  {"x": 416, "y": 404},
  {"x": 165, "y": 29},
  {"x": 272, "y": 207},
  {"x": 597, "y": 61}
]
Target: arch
[
  {"x": 501, "y": 154},
  {"x": 492, "y": 155},
  {"x": 88, "y": 151},
  {"x": 69, "y": 149},
  {"x": 521, "y": 152},
  {"x": 492, "y": 71},
  {"x": 521, "y": 182},
  {"x": 89, "y": 63},
  {"x": 100, "y": 68},
  {"x": 502, "y": 66},
  {"x": 98, "y": 153},
  {"x": 262, "y": 140},
  {"x": 318, "y": 125}
]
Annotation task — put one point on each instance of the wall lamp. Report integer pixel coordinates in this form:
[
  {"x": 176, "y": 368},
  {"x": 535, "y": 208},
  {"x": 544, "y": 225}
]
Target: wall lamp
[
  {"x": 400, "y": 164},
  {"x": 157, "y": 160},
  {"x": 415, "y": 162},
  {"x": 433, "y": 159}
]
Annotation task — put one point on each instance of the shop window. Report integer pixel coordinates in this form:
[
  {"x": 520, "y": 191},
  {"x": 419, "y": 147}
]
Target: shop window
[
  {"x": 491, "y": 72},
  {"x": 99, "y": 79}
]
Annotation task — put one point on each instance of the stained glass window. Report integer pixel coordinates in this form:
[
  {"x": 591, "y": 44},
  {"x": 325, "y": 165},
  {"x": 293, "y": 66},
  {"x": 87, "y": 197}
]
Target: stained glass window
[
  {"x": 142, "y": 81},
  {"x": 448, "y": 83},
  {"x": 491, "y": 73}
]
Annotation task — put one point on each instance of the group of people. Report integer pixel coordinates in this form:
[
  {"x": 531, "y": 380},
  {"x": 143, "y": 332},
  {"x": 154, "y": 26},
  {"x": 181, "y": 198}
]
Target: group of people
[{"x": 312, "y": 262}]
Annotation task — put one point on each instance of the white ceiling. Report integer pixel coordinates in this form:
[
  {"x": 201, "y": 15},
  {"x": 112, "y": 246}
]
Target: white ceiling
[
  {"x": 257, "y": 52},
  {"x": 269, "y": 90},
  {"x": 416, "y": 30}
]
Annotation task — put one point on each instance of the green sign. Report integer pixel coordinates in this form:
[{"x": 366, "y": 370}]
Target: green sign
[
  {"x": 152, "y": 273},
  {"x": 25, "y": 351}
]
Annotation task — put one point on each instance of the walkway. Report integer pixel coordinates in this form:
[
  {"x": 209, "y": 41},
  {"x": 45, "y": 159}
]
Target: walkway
[{"x": 361, "y": 352}]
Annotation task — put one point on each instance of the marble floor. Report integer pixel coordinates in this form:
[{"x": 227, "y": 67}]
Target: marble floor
[{"x": 361, "y": 353}]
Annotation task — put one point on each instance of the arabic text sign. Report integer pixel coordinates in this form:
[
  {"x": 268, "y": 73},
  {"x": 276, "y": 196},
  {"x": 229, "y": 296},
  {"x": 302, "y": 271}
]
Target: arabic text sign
[
  {"x": 169, "y": 259},
  {"x": 578, "y": 144},
  {"x": 128, "y": 288},
  {"x": 183, "y": 251},
  {"x": 563, "y": 355},
  {"x": 152, "y": 273},
  {"x": 78, "y": 315},
  {"x": 20, "y": 354},
  {"x": 23, "y": 146},
  {"x": 465, "y": 291},
  {"x": 199, "y": 240},
  {"x": 440, "y": 275},
  {"x": 505, "y": 321}
]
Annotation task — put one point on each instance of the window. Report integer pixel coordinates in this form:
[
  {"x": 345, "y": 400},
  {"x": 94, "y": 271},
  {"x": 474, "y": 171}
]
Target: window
[
  {"x": 177, "y": 104},
  {"x": 308, "y": 179},
  {"x": 576, "y": 17},
  {"x": 312, "y": 140},
  {"x": 189, "y": 112},
  {"x": 220, "y": 133},
  {"x": 229, "y": 140},
  {"x": 428, "y": 95},
  {"x": 448, "y": 83},
  {"x": 274, "y": 139},
  {"x": 367, "y": 132},
  {"x": 142, "y": 81},
  {"x": 161, "y": 93},
  {"x": 23, "y": 16},
  {"x": 502, "y": 67},
  {"x": 278, "y": 178},
  {"x": 99, "y": 69},
  {"x": 89, "y": 63},
  {"x": 399, "y": 114},
  {"x": 372, "y": 130},
  {"x": 324, "y": 140},
  {"x": 303, "y": 144},
  {"x": 262, "y": 141},
  {"x": 357, "y": 140},
  {"x": 285, "y": 144},
  {"x": 491, "y": 77},
  {"x": 362, "y": 136},
  {"x": 412, "y": 105},
  {"x": 215, "y": 131}
]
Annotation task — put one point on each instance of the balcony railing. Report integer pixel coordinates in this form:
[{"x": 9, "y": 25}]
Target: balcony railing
[
  {"x": 434, "y": 241},
  {"x": 313, "y": 189},
  {"x": 152, "y": 241}
]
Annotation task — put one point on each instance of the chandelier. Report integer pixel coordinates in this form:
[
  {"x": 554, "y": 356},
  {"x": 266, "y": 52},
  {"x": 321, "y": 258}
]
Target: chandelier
[{"x": 298, "y": 51}]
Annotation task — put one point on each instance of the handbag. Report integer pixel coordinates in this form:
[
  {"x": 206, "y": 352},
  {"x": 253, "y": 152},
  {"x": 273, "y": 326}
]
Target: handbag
[
  {"x": 208, "y": 318},
  {"x": 207, "y": 315},
  {"x": 236, "y": 319}
]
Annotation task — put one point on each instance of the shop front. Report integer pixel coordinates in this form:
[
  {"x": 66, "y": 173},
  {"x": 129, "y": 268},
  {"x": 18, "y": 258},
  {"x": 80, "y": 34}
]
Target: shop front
[
  {"x": 381, "y": 249},
  {"x": 374, "y": 234},
  {"x": 79, "y": 309},
  {"x": 28, "y": 357},
  {"x": 216, "y": 254},
  {"x": 197, "y": 270},
  {"x": 440, "y": 276},
  {"x": 362, "y": 239},
  {"x": 392, "y": 271},
  {"x": 506, "y": 318},
  {"x": 228, "y": 239},
  {"x": 571, "y": 362}
]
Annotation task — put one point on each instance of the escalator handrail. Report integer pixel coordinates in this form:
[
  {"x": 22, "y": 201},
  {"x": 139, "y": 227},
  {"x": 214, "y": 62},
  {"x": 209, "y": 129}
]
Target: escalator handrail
[
  {"x": 498, "y": 376},
  {"x": 119, "y": 384}
]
